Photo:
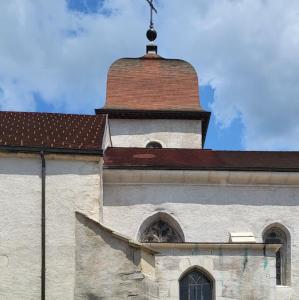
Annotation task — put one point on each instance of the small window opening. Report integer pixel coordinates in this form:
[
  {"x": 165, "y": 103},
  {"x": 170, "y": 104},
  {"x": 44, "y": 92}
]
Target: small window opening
[
  {"x": 277, "y": 236},
  {"x": 154, "y": 145}
]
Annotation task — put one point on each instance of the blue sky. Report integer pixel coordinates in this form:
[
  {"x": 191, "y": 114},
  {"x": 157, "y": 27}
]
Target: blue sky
[
  {"x": 54, "y": 56},
  {"x": 85, "y": 6},
  {"x": 228, "y": 138}
]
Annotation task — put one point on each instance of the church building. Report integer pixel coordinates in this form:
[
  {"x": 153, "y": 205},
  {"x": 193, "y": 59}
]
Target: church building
[{"x": 128, "y": 204}]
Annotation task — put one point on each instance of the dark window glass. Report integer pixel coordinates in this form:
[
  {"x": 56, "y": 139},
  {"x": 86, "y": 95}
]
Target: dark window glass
[
  {"x": 195, "y": 286},
  {"x": 277, "y": 236},
  {"x": 154, "y": 145}
]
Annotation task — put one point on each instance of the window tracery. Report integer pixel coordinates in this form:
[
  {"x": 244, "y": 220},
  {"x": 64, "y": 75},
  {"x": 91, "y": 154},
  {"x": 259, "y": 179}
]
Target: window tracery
[
  {"x": 195, "y": 285},
  {"x": 160, "y": 232}
]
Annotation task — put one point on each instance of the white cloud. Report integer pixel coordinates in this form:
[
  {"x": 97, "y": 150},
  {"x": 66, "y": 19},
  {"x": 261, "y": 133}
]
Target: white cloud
[{"x": 247, "y": 50}]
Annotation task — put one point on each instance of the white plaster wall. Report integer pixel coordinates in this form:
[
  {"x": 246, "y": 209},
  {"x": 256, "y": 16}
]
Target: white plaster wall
[
  {"x": 170, "y": 133},
  {"x": 70, "y": 185},
  {"x": 207, "y": 213},
  {"x": 20, "y": 253}
]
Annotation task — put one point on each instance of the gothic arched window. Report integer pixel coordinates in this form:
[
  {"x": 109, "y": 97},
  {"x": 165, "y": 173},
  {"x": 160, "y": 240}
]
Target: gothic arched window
[
  {"x": 275, "y": 235},
  {"x": 160, "y": 232},
  {"x": 195, "y": 285}
]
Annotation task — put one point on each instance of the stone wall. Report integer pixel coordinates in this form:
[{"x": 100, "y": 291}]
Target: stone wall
[
  {"x": 169, "y": 133},
  {"x": 108, "y": 267},
  {"x": 237, "y": 274}
]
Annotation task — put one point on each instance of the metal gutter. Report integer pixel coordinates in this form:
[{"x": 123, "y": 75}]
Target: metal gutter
[
  {"x": 195, "y": 168},
  {"x": 15, "y": 149},
  {"x": 43, "y": 227}
]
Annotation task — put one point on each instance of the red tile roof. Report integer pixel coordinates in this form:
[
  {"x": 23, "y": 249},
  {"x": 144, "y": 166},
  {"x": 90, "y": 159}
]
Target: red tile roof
[
  {"x": 152, "y": 83},
  {"x": 192, "y": 159},
  {"x": 51, "y": 130}
]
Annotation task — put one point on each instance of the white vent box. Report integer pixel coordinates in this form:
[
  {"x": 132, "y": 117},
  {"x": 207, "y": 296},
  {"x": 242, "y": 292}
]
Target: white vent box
[{"x": 241, "y": 237}]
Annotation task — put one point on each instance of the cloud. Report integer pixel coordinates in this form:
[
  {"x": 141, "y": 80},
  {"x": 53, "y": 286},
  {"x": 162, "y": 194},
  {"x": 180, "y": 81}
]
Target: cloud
[
  {"x": 62, "y": 54},
  {"x": 246, "y": 50}
]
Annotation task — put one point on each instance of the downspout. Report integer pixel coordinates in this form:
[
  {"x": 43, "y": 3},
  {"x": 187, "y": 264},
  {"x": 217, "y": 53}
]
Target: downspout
[{"x": 43, "y": 227}]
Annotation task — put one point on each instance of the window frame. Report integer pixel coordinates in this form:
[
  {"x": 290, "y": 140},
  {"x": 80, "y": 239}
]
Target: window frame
[
  {"x": 283, "y": 254},
  {"x": 154, "y": 145},
  {"x": 165, "y": 217},
  {"x": 203, "y": 272}
]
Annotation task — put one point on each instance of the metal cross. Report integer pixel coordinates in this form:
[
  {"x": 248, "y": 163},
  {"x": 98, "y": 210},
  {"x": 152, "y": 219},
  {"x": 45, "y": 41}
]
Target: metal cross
[{"x": 150, "y": 2}]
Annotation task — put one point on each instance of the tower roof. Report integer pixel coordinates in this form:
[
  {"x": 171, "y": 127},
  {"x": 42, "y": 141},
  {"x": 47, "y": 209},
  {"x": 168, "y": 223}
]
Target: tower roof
[{"x": 152, "y": 82}]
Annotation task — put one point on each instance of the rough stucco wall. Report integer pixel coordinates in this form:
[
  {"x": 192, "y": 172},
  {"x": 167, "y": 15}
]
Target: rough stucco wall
[
  {"x": 20, "y": 229},
  {"x": 170, "y": 133},
  {"x": 70, "y": 185},
  {"x": 242, "y": 274},
  {"x": 207, "y": 213},
  {"x": 107, "y": 267}
]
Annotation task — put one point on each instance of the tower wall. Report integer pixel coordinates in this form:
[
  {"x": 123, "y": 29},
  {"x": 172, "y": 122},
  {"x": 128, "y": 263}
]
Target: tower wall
[{"x": 169, "y": 133}]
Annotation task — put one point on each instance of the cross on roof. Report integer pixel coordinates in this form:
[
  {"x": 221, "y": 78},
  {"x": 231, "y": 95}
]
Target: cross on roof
[{"x": 152, "y": 7}]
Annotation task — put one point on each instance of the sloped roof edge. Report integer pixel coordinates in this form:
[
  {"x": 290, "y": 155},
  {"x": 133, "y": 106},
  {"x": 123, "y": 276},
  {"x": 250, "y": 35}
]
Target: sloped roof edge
[{"x": 131, "y": 242}]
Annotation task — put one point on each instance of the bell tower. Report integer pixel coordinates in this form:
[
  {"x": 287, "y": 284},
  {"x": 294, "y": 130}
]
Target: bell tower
[{"x": 153, "y": 101}]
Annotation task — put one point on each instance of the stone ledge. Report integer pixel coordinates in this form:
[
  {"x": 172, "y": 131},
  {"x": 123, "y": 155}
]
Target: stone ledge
[
  {"x": 229, "y": 246},
  {"x": 116, "y": 176}
]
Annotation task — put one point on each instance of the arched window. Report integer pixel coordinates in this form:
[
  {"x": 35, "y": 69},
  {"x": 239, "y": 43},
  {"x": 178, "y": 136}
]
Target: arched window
[
  {"x": 161, "y": 228},
  {"x": 195, "y": 285},
  {"x": 276, "y": 235},
  {"x": 154, "y": 145},
  {"x": 160, "y": 232}
]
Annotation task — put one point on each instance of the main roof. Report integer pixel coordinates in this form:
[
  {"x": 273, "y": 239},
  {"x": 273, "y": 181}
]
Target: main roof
[
  {"x": 193, "y": 159},
  {"x": 27, "y": 131},
  {"x": 152, "y": 83},
  {"x": 51, "y": 131}
]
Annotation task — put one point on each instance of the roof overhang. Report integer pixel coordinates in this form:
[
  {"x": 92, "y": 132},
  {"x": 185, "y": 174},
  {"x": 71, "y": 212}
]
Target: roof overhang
[{"x": 20, "y": 149}]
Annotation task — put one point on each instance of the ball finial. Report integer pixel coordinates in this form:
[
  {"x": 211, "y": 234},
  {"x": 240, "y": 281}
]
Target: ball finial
[{"x": 151, "y": 34}]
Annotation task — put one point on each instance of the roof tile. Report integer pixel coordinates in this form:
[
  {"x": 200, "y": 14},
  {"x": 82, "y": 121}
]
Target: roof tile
[
  {"x": 51, "y": 130},
  {"x": 152, "y": 83}
]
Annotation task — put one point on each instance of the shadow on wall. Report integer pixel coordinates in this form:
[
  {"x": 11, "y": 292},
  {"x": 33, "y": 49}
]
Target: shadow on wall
[
  {"x": 237, "y": 256},
  {"x": 206, "y": 195},
  {"x": 32, "y": 166},
  {"x": 133, "y": 127}
]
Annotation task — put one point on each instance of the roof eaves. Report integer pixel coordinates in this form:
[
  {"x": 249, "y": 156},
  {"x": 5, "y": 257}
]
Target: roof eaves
[
  {"x": 16, "y": 149},
  {"x": 197, "y": 168}
]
